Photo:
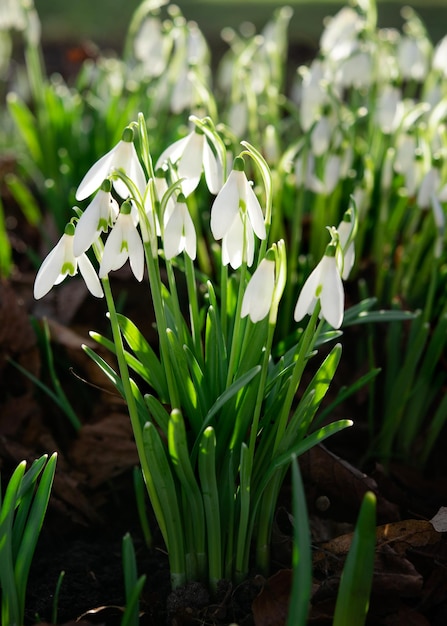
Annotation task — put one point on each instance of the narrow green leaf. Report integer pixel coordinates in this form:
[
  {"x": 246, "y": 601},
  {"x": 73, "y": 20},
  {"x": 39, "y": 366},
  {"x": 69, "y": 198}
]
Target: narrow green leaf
[{"x": 355, "y": 585}]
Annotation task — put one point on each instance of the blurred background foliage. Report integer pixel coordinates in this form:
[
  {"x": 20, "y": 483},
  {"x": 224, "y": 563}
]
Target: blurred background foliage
[{"x": 106, "y": 21}]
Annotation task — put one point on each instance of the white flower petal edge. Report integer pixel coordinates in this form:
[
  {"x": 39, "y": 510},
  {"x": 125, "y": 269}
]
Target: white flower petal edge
[
  {"x": 325, "y": 284},
  {"x": 258, "y": 295},
  {"x": 62, "y": 262},
  {"x": 225, "y": 207},
  {"x": 123, "y": 242}
]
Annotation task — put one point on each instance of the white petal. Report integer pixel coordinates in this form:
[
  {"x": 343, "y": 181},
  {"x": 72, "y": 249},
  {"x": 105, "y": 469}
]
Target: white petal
[
  {"x": 50, "y": 270},
  {"x": 173, "y": 152},
  {"x": 89, "y": 275},
  {"x": 258, "y": 295},
  {"x": 136, "y": 172},
  {"x": 96, "y": 174},
  {"x": 136, "y": 253},
  {"x": 114, "y": 255},
  {"x": 332, "y": 296},
  {"x": 213, "y": 170},
  {"x": 190, "y": 164},
  {"x": 255, "y": 212},
  {"x": 87, "y": 228},
  {"x": 190, "y": 235},
  {"x": 232, "y": 243},
  {"x": 307, "y": 298},
  {"x": 173, "y": 237},
  {"x": 225, "y": 207}
]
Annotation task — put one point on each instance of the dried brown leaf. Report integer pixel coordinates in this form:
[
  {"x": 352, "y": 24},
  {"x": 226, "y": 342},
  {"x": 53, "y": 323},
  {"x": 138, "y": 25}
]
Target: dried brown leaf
[{"x": 270, "y": 607}]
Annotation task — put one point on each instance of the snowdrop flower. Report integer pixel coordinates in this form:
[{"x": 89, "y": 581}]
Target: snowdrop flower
[
  {"x": 323, "y": 284},
  {"x": 192, "y": 154},
  {"x": 62, "y": 262},
  {"x": 123, "y": 243},
  {"x": 389, "y": 110},
  {"x": 179, "y": 231},
  {"x": 412, "y": 58},
  {"x": 340, "y": 36},
  {"x": 236, "y": 216},
  {"x": 258, "y": 295},
  {"x": 346, "y": 241},
  {"x": 122, "y": 156},
  {"x": 97, "y": 217},
  {"x": 440, "y": 57}
]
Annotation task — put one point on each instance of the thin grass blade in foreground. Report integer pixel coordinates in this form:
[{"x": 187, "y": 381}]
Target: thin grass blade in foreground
[{"x": 355, "y": 586}]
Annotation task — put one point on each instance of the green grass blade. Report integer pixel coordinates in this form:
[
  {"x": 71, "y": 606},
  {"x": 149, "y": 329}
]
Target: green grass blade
[{"x": 355, "y": 585}]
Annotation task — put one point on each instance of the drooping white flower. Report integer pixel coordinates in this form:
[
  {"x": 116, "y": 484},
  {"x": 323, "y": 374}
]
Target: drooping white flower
[
  {"x": 340, "y": 36},
  {"x": 62, "y": 262},
  {"x": 323, "y": 284},
  {"x": 124, "y": 242},
  {"x": 122, "y": 156},
  {"x": 344, "y": 230},
  {"x": 439, "y": 62},
  {"x": 192, "y": 155},
  {"x": 390, "y": 109},
  {"x": 100, "y": 214},
  {"x": 413, "y": 58},
  {"x": 236, "y": 216},
  {"x": 258, "y": 295},
  {"x": 179, "y": 231}
]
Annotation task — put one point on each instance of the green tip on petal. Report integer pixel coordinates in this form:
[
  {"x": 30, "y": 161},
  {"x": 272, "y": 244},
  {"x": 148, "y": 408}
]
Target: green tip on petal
[
  {"x": 239, "y": 164},
  {"x": 70, "y": 229},
  {"x": 181, "y": 198},
  {"x": 331, "y": 250},
  {"x": 106, "y": 185},
  {"x": 126, "y": 207},
  {"x": 128, "y": 134}
]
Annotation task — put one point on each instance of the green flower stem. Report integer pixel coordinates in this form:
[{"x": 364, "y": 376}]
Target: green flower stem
[
  {"x": 193, "y": 307},
  {"x": 223, "y": 300},
  {"x": 145, "y": 146},
  {"x": 207, "y": 473},
  {"x": 304, "y": 348},
  {"x": 132, "y": 408},
  {"x": 236, "y": 342},
  {"x": 244, "y": 518},
  {"x": 179, "y": 320},
  {"x": 157, "y": 300}
]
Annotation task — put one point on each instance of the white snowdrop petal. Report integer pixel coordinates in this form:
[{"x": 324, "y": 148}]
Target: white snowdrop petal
[
  {"x": 225, "y": 207},
  {"x": 190, "y": 235},
  {"x": 136, "y": 253},
  {"x": 213, "y": 170},
  {"x": 258, "y": 295},
  {"x": 255, "y": 212},
  {"x": 50, "y": 269},
  {"x": 332, "y": 296},
  {"x": 172, "y": 152},
  {"x": 307, "y": 298},
  {"x": 113, "y": 256},
  {"x": 96, "y": 174},
  {"x": 89, "y": 275},
  {"x": 232, "y": 244},
  {"x": 173, "y": 234},
  {"x": 87, "y": 227}
]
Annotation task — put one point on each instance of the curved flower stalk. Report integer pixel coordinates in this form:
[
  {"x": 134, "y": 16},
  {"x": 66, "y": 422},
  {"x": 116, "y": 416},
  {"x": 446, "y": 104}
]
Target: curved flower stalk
[
  {"x": 192, "y": 155},
  {"x": 324, "y": 285},
  {"x": 236, "y": 216},
  {"x": 62, "y": 262},
  {"x": 346, "y": 231},
  {"x": 124, "y": 242},
  {"x": 100, "y": 214},
  {"x": 122, "y": 156}
]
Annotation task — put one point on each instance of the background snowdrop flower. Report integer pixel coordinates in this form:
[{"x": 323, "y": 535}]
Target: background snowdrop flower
[
  {"x": 61, "y": 262},
  {"x": 344, "y": 230},
  {"x": 179, "y": 231},
  {"x": 123, "y": 243},
  {"x": 97, "y": 217},
  {"x": 258, "y": 295},
  {"x": 236, "y": 212},
  {"x": 323, "y": 284},
  {"x": 192, "y": 154},
  {"x": 122, "y": 156}
]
